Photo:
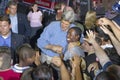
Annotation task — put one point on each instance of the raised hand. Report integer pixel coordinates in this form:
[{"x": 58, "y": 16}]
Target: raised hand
[
  {"x": 105, "y": 29},
  {"x": 104, "y": 21},
  {"x": 93, "y": 66},
  {"x": 91, "y": 37},
  {"x": 57, "y": 61}
]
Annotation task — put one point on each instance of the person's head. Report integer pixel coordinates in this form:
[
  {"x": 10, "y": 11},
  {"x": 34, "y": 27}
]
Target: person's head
[
  {"x": 5, "y": 25},
  {"x": 26, "y": 75},
  {"x": 106, "y": 76},
  {"x": 12, "y": 7},
  {"x": 74, "y": 34},
  {"x": 34, "y": 7},
  {"x": 26, "y": 54},
  {"x": 57, "y": 7},
  {"x": 5, "y": 58},
  {"x": 90, "y": 19},
  {"x": 115, "y": 69},
  {"x": 42, "y": 72},
  {"x": 67, "y": 18}
]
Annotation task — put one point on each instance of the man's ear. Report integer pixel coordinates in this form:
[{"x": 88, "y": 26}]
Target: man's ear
[{"x": 10, "y": 26}]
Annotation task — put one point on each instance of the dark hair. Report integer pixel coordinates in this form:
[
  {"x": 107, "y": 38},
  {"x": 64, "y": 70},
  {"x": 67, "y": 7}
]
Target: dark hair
[
  {"x": 5, "y": 18},
  {"x": 25, "y": 51},
  {"x": 78, "y": 31},
  {"x": 42, "y": 72},
  {"x": 106, "y": 76},
  {"x": 33, "y": 5},
  {"x": 115, "y": 69}
]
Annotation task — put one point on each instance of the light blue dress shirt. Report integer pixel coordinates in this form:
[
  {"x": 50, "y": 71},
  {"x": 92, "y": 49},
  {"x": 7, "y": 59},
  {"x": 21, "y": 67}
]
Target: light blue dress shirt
[
  {"x": 52, "y": 34},
  {"x": 14, "y": 23},
  {"x": 5, "y": 41}
]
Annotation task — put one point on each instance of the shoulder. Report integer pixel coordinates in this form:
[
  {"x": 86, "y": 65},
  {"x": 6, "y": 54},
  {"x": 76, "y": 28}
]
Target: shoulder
[
  {"x": 54, "y": 24},
  {"x": 17, "y": 35},
  {"x": 39, "y": 12},
  {"x": 30, "y": 12}
]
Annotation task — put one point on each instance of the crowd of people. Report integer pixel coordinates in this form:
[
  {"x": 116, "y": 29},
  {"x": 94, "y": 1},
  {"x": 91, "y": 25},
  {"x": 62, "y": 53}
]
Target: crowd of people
[{"x": 65, "y": 48}]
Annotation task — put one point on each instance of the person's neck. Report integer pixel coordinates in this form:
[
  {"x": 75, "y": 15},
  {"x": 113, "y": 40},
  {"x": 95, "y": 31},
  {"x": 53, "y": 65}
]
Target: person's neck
[
  {"x": 22, "y": 64},
  {"x": 12, "y": 14},
  {"x": 5, "y": 36}
]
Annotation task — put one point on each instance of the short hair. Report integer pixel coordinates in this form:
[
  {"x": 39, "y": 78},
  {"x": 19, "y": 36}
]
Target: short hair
[
  {"x": 68, "y": 15},
  {"x": 25, "y": 51},
  {"x": 26, "y": 75},
  {"x": 12, "y": 3},
  {"x": 42, "y": 72},
  {"x": 115, "y": 69},
  {"x": 5, "y": 18},
  {"x": 5, "y": 54},
  {"x": 78, "y": 31},
  {"x": 106, "y": 76}
]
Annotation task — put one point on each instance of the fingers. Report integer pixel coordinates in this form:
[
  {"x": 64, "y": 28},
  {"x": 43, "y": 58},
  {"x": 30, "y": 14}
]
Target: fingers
[
  {"x": 91, "y": 67},
  {"x": 57, "y": 61},
  {"x": 91, "y": 36}
]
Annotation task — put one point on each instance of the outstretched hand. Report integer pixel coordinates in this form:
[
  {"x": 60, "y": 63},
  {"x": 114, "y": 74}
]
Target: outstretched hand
[
  {"x": 57, "y": 61},
  {"x": 104, "y": 21},
  {"x": 105, "y": 30},
  {"x": 91, "y": 37}
]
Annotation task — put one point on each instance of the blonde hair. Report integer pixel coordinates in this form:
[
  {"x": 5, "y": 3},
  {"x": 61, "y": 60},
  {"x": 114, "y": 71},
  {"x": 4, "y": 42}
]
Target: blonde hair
[{"x": 90, "y": 19}]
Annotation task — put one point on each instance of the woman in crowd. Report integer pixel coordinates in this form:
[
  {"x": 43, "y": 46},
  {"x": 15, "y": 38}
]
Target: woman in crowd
[{"x": 35, "y": 18}]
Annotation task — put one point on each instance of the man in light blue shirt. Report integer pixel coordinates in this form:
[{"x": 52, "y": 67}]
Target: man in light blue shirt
[
  {"x": 14, "y": 23},
  {"x": 52, "y": 41}
]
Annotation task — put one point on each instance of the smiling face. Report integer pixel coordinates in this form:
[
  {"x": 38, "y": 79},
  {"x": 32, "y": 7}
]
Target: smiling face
[
  {"x": 65, "y": 25},
  {"x": 35, "y": 7},
  {"x": 72, "y": 36}
]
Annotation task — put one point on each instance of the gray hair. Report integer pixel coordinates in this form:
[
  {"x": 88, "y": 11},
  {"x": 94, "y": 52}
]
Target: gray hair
[{"x": 68, "y": 15}]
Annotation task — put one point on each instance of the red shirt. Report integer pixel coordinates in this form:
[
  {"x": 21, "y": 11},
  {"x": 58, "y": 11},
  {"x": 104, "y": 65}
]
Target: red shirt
[{"x": 9, "y": 74}]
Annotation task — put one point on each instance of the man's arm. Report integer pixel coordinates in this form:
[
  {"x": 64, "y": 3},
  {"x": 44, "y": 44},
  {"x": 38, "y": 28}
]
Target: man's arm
[
  {"x": 112, "y": 25},
  {"x": 100, "y": 53},
  {"x": 76, "y": 61},
  {"x": 115, "y": 42},
  {"x": 63, "y": 70}
]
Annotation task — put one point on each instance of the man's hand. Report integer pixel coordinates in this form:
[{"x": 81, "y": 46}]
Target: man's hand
[
  {"x": 55, "y": 48},
  {"x": 93, "y": 66},
  {"x": 76, "y": 60},
  {"x": 91, "y": 37},
  {"x": 104, "y": 21},
  {"x": 105, "y": 30},
  {"x": 57, "y": 61}
]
